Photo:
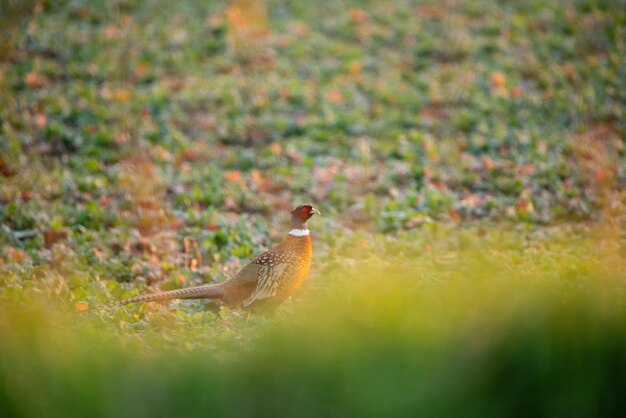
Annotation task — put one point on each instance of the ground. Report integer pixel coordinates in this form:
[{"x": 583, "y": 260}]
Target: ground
[{"x": 468, "y": 158}]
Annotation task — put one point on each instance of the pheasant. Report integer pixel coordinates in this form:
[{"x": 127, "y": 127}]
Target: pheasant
[{"x": 269, "y": 278}]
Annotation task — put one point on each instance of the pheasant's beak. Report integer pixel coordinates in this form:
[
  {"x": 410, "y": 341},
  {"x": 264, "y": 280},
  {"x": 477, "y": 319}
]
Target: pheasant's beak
[{"x": 315, "y": 211}]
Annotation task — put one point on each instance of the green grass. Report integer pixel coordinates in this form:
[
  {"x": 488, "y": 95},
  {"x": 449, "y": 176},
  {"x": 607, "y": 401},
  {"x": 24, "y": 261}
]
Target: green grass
[{"x": 468, "y": 158}]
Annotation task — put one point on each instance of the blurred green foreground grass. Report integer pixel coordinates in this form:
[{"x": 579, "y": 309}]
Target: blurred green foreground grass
[{"x": 441, "y": 323}]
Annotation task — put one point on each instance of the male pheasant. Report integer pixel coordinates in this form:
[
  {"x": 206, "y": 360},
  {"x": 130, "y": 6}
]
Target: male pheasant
[{"x": 270, "y": 278}]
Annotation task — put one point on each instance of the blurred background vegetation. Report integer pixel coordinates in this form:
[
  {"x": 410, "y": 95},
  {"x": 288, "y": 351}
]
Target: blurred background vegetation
[{"x": 468, "y": 157}]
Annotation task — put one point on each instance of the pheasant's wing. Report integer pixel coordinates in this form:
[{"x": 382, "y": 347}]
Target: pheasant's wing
[
  {"x": 268, "y": 270},
  {"x": 268, "y": 284}
]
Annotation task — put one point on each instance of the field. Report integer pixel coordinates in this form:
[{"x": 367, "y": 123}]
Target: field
[{"x": 468, "y": 158}]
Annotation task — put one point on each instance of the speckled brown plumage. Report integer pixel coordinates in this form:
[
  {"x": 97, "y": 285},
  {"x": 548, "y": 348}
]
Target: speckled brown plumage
[{"x": 270, "y": 277}]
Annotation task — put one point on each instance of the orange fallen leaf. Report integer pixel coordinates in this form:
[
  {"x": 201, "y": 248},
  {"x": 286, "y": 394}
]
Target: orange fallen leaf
[
  {"x": 177, "y": 223},
  {"x": 16, "y": 255},
  {"x": 257, "y": 178},
  {"x": 471, "y": 201},
  {"x": 276, "y": 148},
  {"x": 355, "y": 67},
  {"x": 247, "y": 16},
  {"x": 431, "y": 11},
  {"x": 81, "y": 306},
  {"x": 110, "y": 31},
  {"x": 162, "y": 154},
  {"x": 121, "y": 95},
  {"x": 84, "y": 12},
  {"x": 5, "y": 169},
  {"x": 40, "y": 120},
  {"x": 35, "y": 80},
  {"x": 211, "y": 227},
  {"x": 50, "y": 236},
  {"x": 104, "y": 201},
  {"x": 121, "y": 138},
  {"x": 517, "y": 91},
  {"x": 175, "y": 84},
  {"x": 142, "y": 69},
  {"x": 358, "y": 15},
  {"x": 603, "y": 175},
  {"x": 524, "y": 206},
  {"x": 191, "y": 154},
  {"x": 298, "y": 28},
  {"x": 233, "y": 175},
  {"x": 148, "y": 203},
  {"x": 497, "y": 79},
  {"x": 362, "y": 243},
  {"x": 526, "y": 169},
  {"x": 335, "y": 96},
  {"x": 488, "y": 163}
]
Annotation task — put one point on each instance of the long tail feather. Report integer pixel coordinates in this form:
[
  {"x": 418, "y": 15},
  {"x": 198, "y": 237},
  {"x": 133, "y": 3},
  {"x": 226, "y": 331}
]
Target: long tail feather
[{"x": 200, "y": 292}]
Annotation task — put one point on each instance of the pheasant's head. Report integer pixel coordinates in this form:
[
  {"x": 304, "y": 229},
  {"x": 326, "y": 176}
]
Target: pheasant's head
[{"x": 301, "y": 214}]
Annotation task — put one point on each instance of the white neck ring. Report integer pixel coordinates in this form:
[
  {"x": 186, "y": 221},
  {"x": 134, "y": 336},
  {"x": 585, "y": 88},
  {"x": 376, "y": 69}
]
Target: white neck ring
[{"x": 299, "y": 232}]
